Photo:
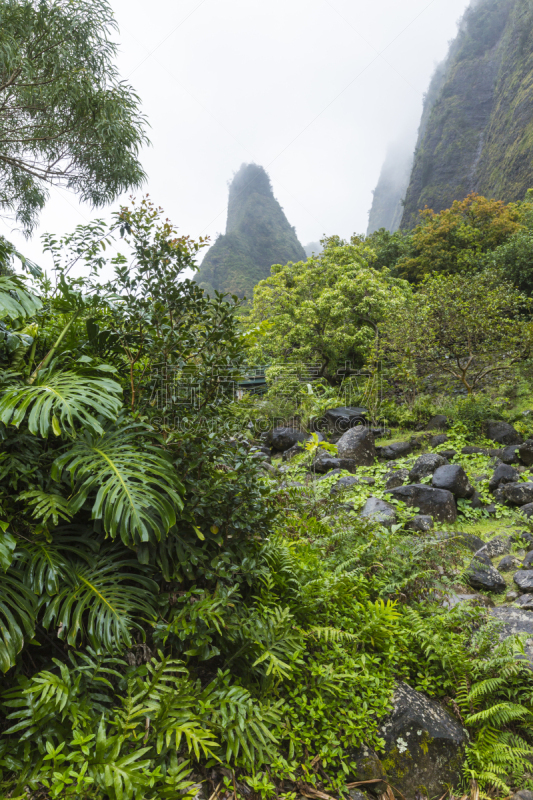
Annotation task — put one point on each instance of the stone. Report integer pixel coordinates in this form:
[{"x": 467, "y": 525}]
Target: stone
[
  {"x": 336, "y": 471},
  {"x": 425, "y": 465},
  {"x": 454, "y": 479},
  {"x": 448, "y": 453},
  {"x": 379, "y": 511},
  {"x": 528, "y": 560},
  {"x": 358, "y": 444},
  {"x": 396, "y": 450},
  {"x": 524, "y": 601},
  {"x": 421, "y": 522},
  {"x": 524, "y": 580},
  {"x": 516, "y": 494},
  {"x": 344, "y": 483},
  {"x": 326, "y": 463},
  {"x": 482, "y": 555},
  {"x": 284, "y": 438},
  {"x": 437, "y": 423},
  {"x": 419, "y": 442},
  {"x": 295, "y": 450},
  {"x": 525, "y": 537},
  {"x": 368, "y": 480},
  {"x": 437, "y": 441},
  {"x": 485, "y": 577},
  {"x": 453, "y": 600},
  {"x": 424, "y": 744},
  {"x": 471, "y": 450},
  {"x": 502, "y": 474},
  {"x": 502, "y": 432},
  {"x": 525, "y": 452},
  {"x": 510, "y": 596},
  {"x": 508, "y": 564},
  {"x": 515, "y": 621},
  {"x": 343, "y": 418},
  {"x": 495, "y": 452},
  {"x": 437, "y": 503},
  {"x": 397, "y": 478},
  {"x": 509, "y": 455},
  {"x": 469, "y": 540},
  {"x": 498, "y": 546},
  {"x": 523, "y": 794}
]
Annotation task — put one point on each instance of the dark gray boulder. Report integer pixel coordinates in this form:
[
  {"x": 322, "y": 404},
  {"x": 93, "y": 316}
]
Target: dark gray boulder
[
  {"x": 525, "y": 451},
  {"x": 525, "y": 601},
  {"x": 483, "y": 556},
  {"x": 420, "y": 522},
  {"x": 437, "y": 423},
  {"x": 524, "y": 580},
  {"x": 498, "y": 546},
  {"x": 509, "y": 455},
  {"x": 344, "y": 483},
  {"x": 295, "y": 450},
  {"x": 393, "y": 451},
  {"x": 516, "y": 494},
  {"x": 379, "y": 511},
  {"x": 358, "y": 444},
  {"x": 471, "y": 450},
  {"x": 485, "y": 577},
  {"x": 502, "y": 432},
  {"x": 425, "y": 465},
  {"x": 284, "y": 438},
  {"x": 454, "y": 479},
  {"x": 437, "y": 441},
  {"x": 448, "y": 453},
  {"x": 476, "y": 501},
  {"x": 508, "y": 564},
  {"x": 326, "y": 463},
  {"x": 339, "y": 420},
  {"x": 523, "y": 794},
  {"x": 424, "y": 744},
  {"x": 437, "y": 503},
  {"x": 528, "y": 560},
  {"x": 504, "y": 473},
  {"x": 336, "y": 471},
  {"x": 397, "y": 478}
]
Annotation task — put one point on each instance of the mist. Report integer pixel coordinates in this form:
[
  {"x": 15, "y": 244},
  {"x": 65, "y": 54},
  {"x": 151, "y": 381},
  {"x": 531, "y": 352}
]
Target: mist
[{"x": 315, "y": 91}]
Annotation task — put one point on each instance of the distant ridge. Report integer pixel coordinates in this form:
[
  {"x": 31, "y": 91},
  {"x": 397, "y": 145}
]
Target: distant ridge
[{"x": 257, "y": 236}]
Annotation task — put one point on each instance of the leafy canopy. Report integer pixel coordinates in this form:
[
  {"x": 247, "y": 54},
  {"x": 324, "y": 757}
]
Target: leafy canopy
[
  {"x": 66, "y": 118},
  {"x": 323, "y": 311}
]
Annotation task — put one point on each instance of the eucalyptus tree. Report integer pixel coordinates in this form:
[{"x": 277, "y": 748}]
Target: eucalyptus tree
[{"x": 66, "y": 118}]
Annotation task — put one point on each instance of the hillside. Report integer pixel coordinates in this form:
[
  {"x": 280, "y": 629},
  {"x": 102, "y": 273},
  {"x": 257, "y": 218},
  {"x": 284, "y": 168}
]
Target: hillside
[
  {"x": 476, "y": 131},
  {"x": 387, "y": 209},
  {"x": 258, "y": 235}
]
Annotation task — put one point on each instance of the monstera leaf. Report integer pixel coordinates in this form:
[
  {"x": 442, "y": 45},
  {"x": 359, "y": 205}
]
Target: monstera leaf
[
  {"x": 136, "y": 487},
  {"x": 15, "y": 300},
  {"x": 17, "y": 617},
  {"x": 59, "y": 401}
]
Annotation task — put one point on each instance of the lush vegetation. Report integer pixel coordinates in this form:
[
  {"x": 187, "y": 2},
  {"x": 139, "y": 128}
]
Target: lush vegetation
[{"x": 65, "y": 116}]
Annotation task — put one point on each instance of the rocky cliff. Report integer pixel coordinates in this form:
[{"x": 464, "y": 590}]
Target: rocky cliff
[
  {"x": 476, "y": 132},
  {"x": 387, "y": 208},
  {"x": 258, "y": 235}
]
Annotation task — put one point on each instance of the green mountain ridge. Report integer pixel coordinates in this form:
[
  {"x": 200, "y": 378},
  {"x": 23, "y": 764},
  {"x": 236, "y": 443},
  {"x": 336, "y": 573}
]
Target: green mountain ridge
[
  {"x": 257, "y": 236},
  {"x": 476, "y": 133}
]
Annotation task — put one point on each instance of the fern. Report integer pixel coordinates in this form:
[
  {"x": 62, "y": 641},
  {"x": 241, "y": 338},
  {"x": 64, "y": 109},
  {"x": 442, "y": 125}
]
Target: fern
[{"x": 15, "y": 300}]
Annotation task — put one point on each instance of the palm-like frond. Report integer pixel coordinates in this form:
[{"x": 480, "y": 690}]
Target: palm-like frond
[
  {"x": 137, "y": 488},
  {"x": 101, "y": 599},
  {"x": 15, "y": 300},
  {"x": 46, "y": 505},
  {"x": 46, "y": 563},
  {"x": 60, "y": 400},
  {"x": 17, "y": 617}
]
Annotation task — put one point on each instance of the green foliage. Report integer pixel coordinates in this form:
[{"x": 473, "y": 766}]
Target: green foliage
[
  {"x": 86, "y": 129},
  {"x": 323, "y": 312}
]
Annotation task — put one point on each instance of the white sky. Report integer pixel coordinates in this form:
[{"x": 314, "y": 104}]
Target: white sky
[{"x": 312, "y": 90}]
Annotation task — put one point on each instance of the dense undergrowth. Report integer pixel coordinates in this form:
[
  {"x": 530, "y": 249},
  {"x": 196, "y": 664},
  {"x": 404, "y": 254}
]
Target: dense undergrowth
[{"x": 171, "y": 614}]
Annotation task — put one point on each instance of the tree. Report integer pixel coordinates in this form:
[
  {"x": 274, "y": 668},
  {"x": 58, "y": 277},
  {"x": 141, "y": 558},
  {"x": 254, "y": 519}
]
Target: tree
[
  {"x": 466, "y": 328},
  {"x": 65, "y": 116},
  {"x": 455, "y": 240},
  {"x": 323, "y": 311}
]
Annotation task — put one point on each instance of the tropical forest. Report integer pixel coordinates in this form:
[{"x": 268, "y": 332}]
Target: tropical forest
[{"x": 266, "y": 510}]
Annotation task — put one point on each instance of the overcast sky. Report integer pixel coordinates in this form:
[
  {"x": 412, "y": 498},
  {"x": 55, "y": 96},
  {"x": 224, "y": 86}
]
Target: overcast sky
[{"x": 313, "y": 90}]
